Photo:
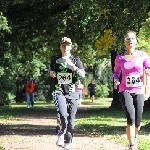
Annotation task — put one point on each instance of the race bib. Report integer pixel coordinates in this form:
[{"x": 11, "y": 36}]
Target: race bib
[
  {"x": 133, "y": 81},
  {"x": 64, "y": 78}
]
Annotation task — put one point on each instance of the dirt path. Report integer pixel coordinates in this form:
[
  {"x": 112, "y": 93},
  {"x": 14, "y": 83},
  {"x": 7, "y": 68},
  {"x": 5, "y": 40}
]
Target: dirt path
[{"x": 36, "y": 131}]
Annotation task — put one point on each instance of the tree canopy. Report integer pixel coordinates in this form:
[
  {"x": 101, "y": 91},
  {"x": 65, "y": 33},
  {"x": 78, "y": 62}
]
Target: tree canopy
[
  {"x": 32, "y": 29},
  {"x": 144, "y": 36}
]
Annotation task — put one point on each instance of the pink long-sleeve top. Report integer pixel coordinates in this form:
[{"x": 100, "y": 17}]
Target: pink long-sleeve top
[{"x": 132, "y": 72}]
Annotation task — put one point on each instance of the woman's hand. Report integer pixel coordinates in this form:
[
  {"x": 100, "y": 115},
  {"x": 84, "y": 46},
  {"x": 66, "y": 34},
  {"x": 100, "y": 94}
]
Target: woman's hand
[
  {"x": 116, "y": 84},
  {"x": 67, "y": 60},
  {"x": 147, "y": 72},
  {"x": 52, "y": 74}
]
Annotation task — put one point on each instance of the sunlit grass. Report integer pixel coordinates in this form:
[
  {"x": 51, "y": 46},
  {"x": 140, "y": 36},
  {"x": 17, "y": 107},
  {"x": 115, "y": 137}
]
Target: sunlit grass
[
  {"x": 1, "y": 148},
  {"x": 100, "y": 102},
  {"x": 101, "y": 121},
  {"x": 13, "y": 111}
]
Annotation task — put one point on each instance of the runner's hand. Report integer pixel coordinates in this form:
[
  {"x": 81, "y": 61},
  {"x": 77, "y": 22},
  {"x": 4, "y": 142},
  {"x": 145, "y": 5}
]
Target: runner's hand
[
  {"x": 52, "y": 74},
  {"x": 68, "y": 61},
  {"x": 116, "y": 84},
  {"x": 147, "y": 72}
]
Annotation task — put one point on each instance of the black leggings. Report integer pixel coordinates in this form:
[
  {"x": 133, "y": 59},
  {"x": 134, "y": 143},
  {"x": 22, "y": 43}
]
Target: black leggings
[{"x": 133, "y": 107}]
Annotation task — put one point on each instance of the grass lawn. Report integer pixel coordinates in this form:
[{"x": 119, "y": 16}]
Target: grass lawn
[
  {"x": 108, "y": 123},
  {"x": 101, "y": 121}
]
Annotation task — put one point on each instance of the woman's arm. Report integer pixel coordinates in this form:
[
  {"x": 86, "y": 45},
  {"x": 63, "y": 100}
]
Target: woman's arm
[
  {"x": 146, "y": 62},
  {"x": 117, "y": 69}
]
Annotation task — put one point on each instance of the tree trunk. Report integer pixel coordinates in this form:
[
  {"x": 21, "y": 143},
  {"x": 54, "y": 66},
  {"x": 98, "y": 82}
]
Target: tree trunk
[
  {"x": 147, "y": 104},
  {"x": 115, "y": 102}
]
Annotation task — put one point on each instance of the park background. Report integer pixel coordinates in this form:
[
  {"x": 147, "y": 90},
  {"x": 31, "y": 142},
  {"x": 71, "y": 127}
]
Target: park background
[{"x": 31, "y": 31}]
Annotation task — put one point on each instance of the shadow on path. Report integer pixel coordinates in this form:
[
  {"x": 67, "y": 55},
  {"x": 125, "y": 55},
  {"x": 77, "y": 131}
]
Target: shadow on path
[{"x": 31, "y": 122}]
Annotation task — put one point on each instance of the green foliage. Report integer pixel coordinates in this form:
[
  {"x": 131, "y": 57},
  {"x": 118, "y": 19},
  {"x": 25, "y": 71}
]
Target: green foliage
[
  {"x": 104, "y": 75},
  {"x": 102, "y": 91},
  {"x": 37, "y": 27},
  {"x": 1, "y": 148},
  {"x": 4, "y": 27},
  {"x": 101, "y": 72},
  {"x": 144, "y": 36},
  {"x": 7, "y": 85},
  {"x": 94, "y": 18}
]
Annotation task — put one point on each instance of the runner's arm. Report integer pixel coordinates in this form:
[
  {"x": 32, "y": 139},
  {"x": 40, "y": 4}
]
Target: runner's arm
[
  {"x": 51, "y": 68},
  {"x": 78, "y": 67},
  {"x": 117, "y": 69},
  {"x": 146, "y": 62}
]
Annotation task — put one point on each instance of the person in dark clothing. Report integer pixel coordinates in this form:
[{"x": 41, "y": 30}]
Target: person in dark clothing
[
  {"x": 92, "y": 87},
  {"x": 65, "y": 68}
]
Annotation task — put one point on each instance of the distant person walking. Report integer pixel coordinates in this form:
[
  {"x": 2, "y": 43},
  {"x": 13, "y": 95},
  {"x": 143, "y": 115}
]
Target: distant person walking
[
  {"x": 30, "y": 89},
  {"x": 130, "y": 64},
  {"x": 92, "y": 89},
  {"x": 80, "y": 88}
]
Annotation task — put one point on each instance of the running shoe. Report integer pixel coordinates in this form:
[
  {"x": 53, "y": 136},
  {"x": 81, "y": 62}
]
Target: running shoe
[
  {"x": 60, "y": 141},
  {"x": 132, "y": 147},
  {"x": 67, "y": 146}
]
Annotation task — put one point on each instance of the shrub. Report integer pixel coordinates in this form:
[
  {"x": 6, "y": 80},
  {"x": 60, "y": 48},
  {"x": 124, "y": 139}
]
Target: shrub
[{"x": 102, "y": 91}]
